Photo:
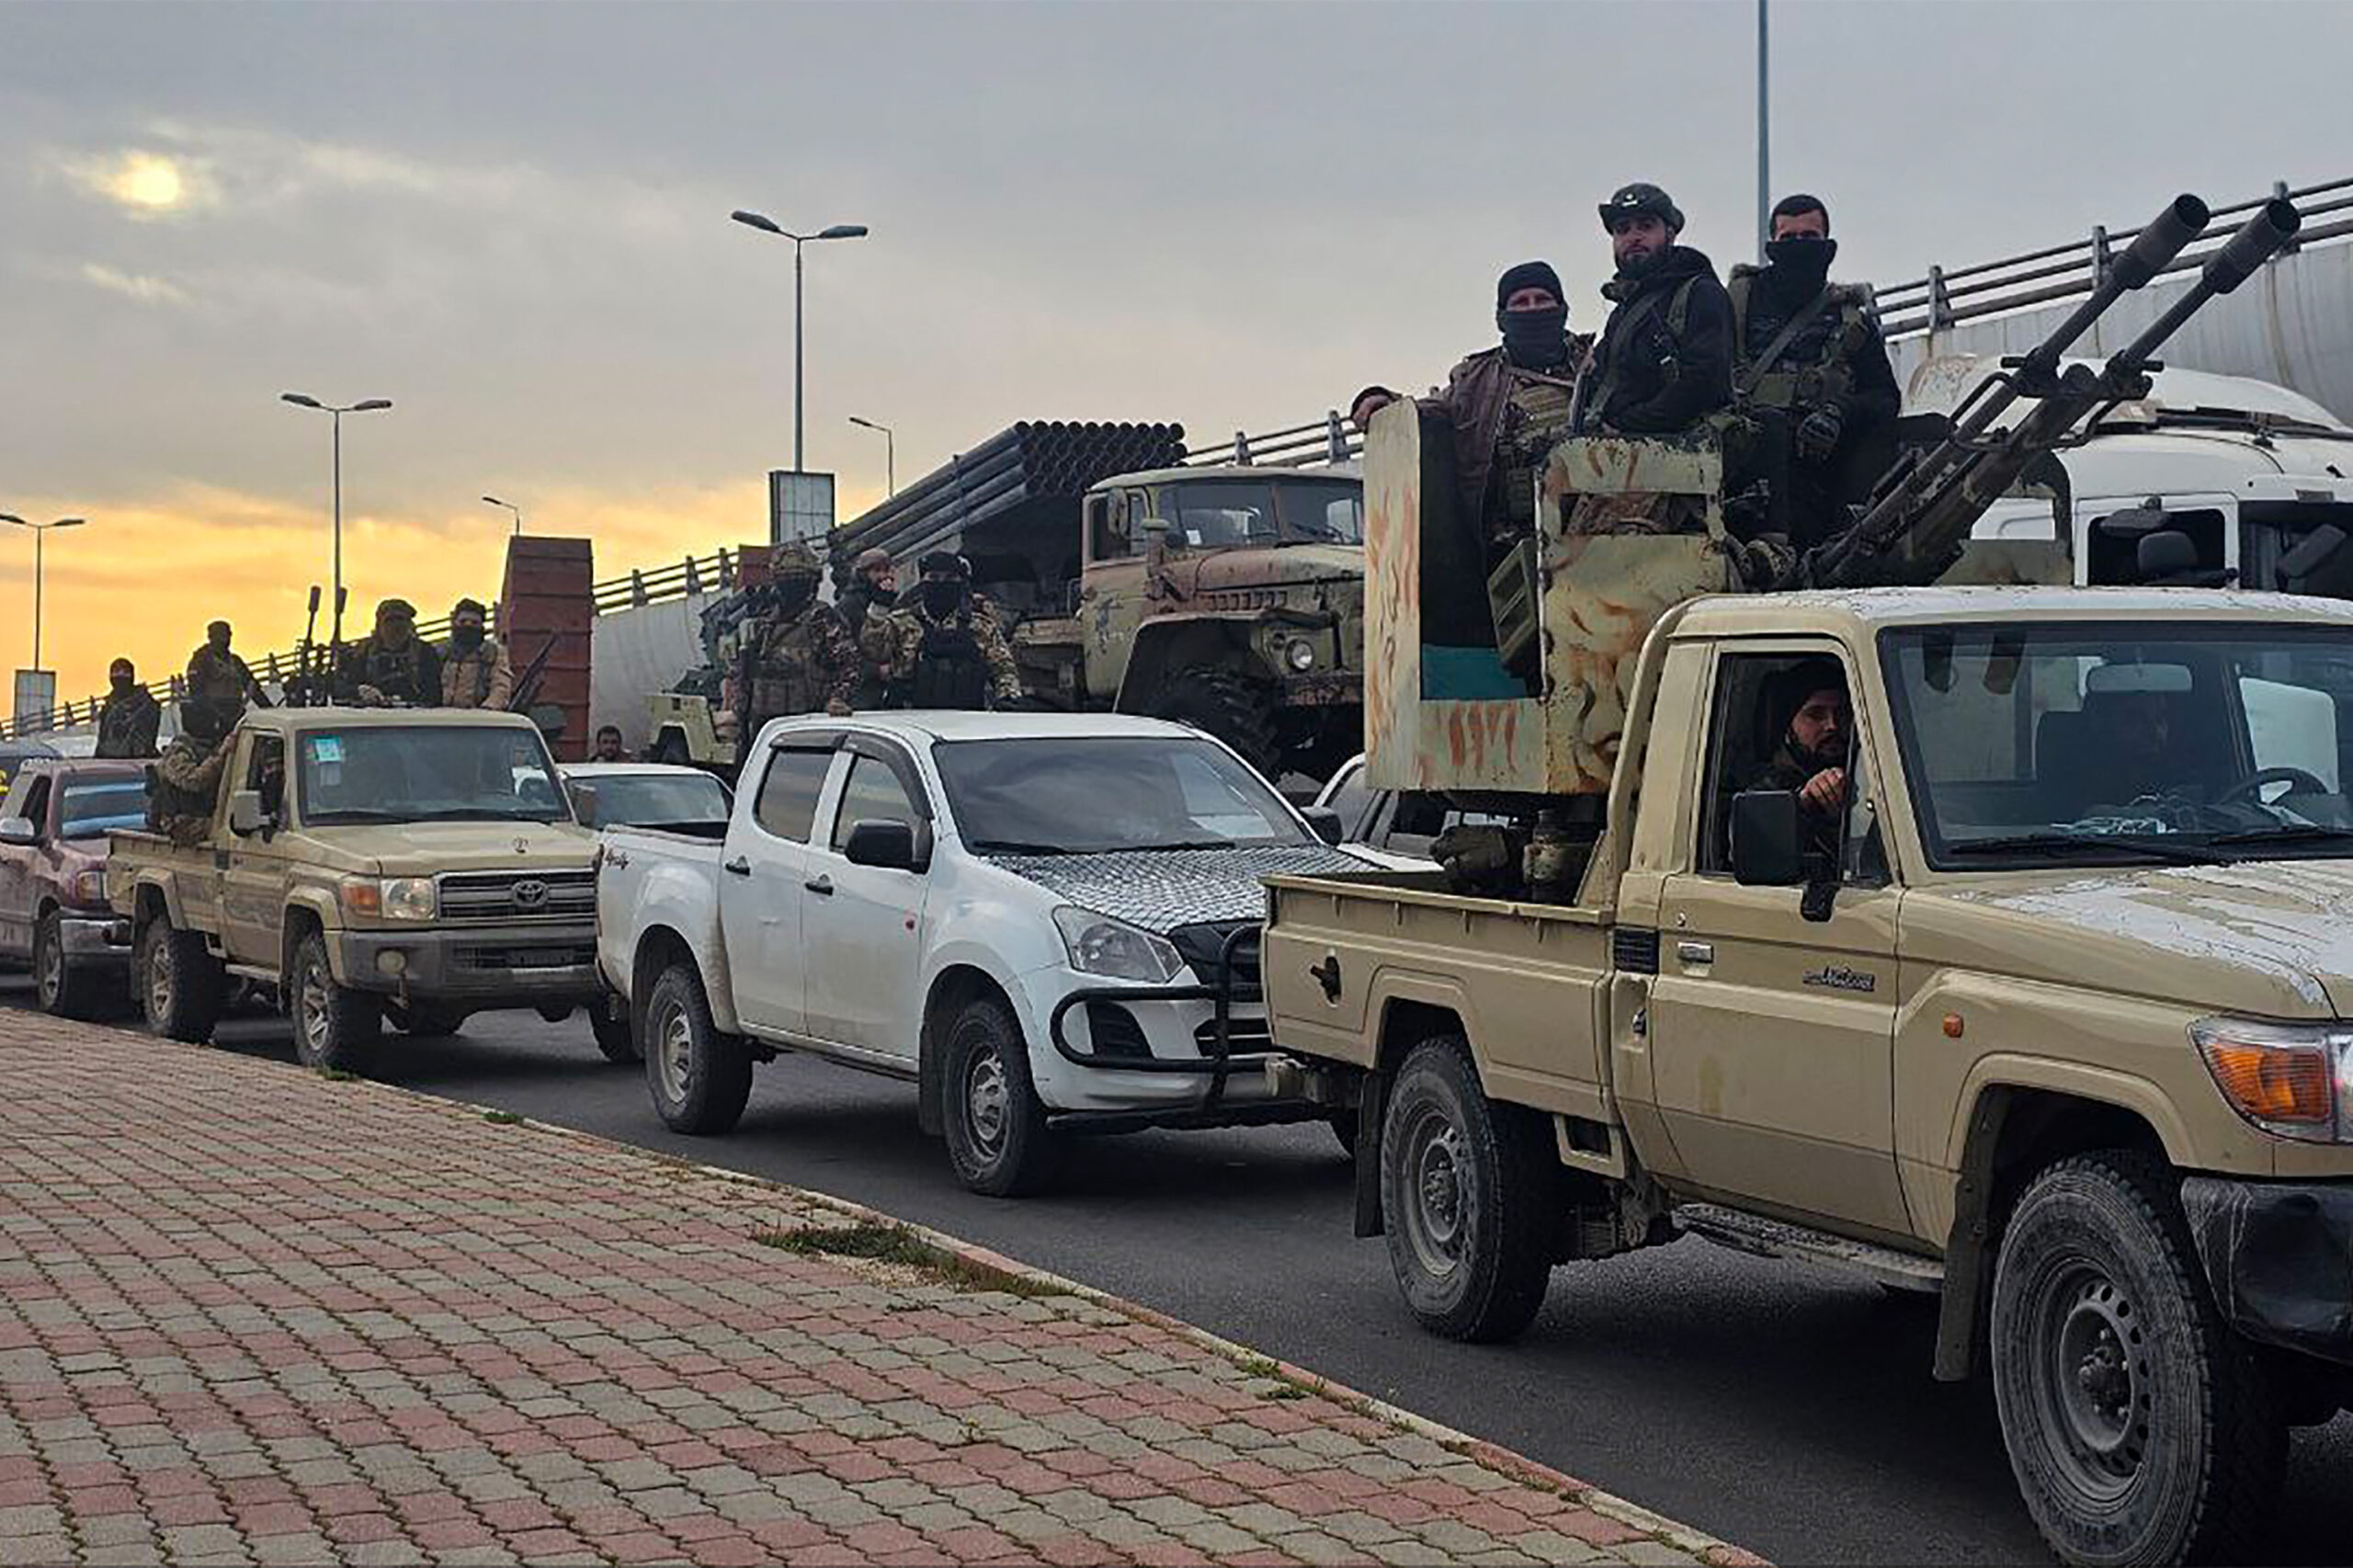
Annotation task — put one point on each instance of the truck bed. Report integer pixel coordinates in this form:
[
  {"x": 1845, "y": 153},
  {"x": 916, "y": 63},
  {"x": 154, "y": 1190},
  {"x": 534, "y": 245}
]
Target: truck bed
[{"x": 1528, "y": 982}]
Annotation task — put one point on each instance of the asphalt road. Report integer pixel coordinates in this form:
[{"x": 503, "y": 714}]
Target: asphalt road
[{"x": 1769, "y": 1404}]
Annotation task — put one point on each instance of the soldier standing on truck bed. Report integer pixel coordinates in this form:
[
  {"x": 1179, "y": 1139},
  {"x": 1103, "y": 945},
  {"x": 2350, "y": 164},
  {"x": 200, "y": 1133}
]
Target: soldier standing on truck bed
[
  {"x": 947, "y": 651},
  {"x": 1813, "y": 374},
  {"x": 475, "y": 671},
  {"x": 216, "y": 674},
  {"x": 392, "y": 665},
  {"x": 130, "y": 718},
  {"x": 795, "y": 656},
  {"x": 1665, "y": 358},
  {"x": 872, "y": 595},
  {"x": 184, "y": 784}
]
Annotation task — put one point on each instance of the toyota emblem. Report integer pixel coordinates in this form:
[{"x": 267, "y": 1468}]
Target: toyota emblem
[{"x": 530, "y": 892}]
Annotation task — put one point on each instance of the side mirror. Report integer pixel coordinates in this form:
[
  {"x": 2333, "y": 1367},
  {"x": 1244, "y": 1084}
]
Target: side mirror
[
  {"x": 890, "y": 844},
  {"x": 1327, "y": 823},
  {"x": 245, "y": 815},
  {"x": 2318, "y": 564},
  {"x": 1767, "y": 839},
  {"x": 18, "y": 830}
]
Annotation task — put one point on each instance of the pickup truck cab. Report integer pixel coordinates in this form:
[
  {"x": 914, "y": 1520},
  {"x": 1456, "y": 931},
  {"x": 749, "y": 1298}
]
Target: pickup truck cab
[
  {"x": 54, "y": 914},
  {"x": 412, "y": 866},
  {"x": 2050, "y": 1020},
  {"x": 1044, "y": 921}
]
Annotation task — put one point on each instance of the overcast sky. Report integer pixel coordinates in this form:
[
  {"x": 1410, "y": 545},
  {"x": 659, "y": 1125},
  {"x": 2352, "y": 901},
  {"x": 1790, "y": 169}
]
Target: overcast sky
[{"x": 512, "y": 220}]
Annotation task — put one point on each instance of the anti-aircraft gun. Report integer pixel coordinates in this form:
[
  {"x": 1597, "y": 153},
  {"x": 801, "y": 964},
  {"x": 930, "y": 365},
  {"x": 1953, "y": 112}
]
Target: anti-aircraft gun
[{"x": 1501, "y": 685}]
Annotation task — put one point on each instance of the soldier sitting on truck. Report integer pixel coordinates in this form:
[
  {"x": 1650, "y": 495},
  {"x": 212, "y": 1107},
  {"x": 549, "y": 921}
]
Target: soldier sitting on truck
[
  {"x": 1816, "y": 724},
  {"x": 946, "y": 651},
  {"x": 184, "y": 784}
]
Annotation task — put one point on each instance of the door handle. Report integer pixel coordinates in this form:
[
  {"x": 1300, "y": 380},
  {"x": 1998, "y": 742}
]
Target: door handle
[
  {"x": 739, "y": 867},
  {"x": 1327, "y": 976},
  {"x": 822, "y": 886},
  {"x": 1696, "y": 952}
]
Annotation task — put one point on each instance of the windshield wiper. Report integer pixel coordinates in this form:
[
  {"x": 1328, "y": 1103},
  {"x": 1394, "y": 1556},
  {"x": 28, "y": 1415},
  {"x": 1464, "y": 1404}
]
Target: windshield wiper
[
  {"x": 2298, "y": 833},
  {"x": 1014, "y": 846},
  {"x": 2149, "y": 847},
  {"x": 477, "y": 813}
]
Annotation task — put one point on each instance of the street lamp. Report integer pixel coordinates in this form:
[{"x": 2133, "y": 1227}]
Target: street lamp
[
  {"x": 368, "y": 405},
  {"x": 890, "y": 450},
  {"x": 41, "y": 537},
  {"x": 769, "y": 226},
  {"x": 511, "y": 507}
]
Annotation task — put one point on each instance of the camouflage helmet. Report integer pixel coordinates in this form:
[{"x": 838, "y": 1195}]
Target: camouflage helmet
[
  {"x": 1640, "y": 197},
  {"x": 793, "y": 559},
  {"x": 867, "y": 560}
]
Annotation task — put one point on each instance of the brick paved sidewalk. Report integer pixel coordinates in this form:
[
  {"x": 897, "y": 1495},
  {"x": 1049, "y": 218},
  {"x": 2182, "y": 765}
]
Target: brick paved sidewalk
[{"x": 251, "y": 1316}]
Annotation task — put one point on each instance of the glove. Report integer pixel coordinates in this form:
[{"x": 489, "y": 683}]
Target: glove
[
  {"x": 371, "y": 696},
  {"x": 836, "y": 708},
  {"x": 1817, "y": 433}
]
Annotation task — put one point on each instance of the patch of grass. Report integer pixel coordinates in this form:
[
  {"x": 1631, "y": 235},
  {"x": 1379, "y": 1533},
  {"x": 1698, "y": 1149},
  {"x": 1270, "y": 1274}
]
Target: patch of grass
[
  {"x": 898, "y": 1245},
  {"x": 502, "y": 1118},
  {"x": 337, "y": 1076}
]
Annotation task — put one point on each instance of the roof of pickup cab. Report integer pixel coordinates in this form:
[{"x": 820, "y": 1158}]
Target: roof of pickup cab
[
  {"x": 950, "y": 725},
  {"x": 376, "y": 718},
  {"x": 1865, "y": 609}
]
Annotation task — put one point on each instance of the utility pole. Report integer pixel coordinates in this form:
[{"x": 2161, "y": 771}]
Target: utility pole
[
  {"x": 837, "y": 232},
  {"x": 366, "y": 405},
  {"x": 1764, "y": 142}
]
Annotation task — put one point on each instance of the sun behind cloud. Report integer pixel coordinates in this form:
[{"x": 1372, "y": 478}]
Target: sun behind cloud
[{"x": 143, "y": 184}]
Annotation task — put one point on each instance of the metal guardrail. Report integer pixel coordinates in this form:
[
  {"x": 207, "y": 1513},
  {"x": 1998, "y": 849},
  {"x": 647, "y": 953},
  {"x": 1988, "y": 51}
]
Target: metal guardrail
[{"x": 1327, "y": 441}]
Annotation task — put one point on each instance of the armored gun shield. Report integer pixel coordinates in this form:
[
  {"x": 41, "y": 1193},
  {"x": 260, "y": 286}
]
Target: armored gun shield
[{"x": 1504, "y": 665}]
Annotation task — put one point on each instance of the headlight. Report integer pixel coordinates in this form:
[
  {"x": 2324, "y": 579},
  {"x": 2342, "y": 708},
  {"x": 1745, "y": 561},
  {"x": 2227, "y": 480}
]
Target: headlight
[
  {"x": 2292, "y": 1080},
  {"x": 89, "y": 887},
  {"x": 389, "y": 898},
  {"x": 1300, "y": 655},
  {"x": 1115, "y": 950}
]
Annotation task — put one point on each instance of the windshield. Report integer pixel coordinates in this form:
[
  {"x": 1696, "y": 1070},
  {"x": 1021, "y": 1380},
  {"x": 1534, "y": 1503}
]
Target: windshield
[
  {"x": 2111, "y": 742},
  {"x": 1106, "y": 793},
  {"x": 1229, "y": 514},
  {"x": 428, "y": 773},
  {"x": 93, "y": 811},
  {"x": 649, "y": 799}
]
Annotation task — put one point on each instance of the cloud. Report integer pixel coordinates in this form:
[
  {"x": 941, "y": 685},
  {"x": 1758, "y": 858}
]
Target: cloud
[
  {"x": 146, "y": 290},
  {"x": 145, "y": 184}
]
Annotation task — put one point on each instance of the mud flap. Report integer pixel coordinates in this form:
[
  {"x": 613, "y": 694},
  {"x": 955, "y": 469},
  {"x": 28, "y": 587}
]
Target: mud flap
[{"x": 1372, "y": 1107}]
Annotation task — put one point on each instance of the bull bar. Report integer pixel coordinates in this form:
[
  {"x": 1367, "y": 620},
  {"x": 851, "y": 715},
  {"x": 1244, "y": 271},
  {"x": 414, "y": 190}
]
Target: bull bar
[{"x": 1220, "y": 1064}]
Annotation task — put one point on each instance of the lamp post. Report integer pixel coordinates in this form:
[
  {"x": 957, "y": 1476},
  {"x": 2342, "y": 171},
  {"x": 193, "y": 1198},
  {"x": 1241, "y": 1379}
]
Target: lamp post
[
  {"x": 1764, "y": 142},
  {"x": 890, "y": 450},
  {"x": 837, "y": 232},
  {"x": 367, "y": 406},
  {"x": 41, "y": 537},
  {"x": 511, "y": 507}
]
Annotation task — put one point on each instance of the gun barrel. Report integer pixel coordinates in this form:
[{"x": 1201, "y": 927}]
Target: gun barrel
[
  {"x": 2152, "y": 251},
  {"x": 2257, "y": 241}
]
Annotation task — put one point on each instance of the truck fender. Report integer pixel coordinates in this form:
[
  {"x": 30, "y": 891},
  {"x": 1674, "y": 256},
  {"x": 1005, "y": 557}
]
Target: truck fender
[
  {"x": 959, "y": 971},
  {"x": 307, "y": 907},
  {"x": 2100, "y": 1086},
  {"x": 166, "y": 887},
  {"x": 1396, "y": 997}
]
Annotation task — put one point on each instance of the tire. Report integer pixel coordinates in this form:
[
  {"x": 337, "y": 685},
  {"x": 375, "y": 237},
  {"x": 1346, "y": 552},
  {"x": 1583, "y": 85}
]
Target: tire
[
  {"x": 2175, "y": 1453},
  {"x": 62, "y": 990},
  {"x": 608, "y": 1018},
  {"x": 1342, "y": 1124},
  {"x": 1469, "y": 1194},
  {"x": 997, "y": 1138},
  {"x": 1227, "y": 704},
  {"x": 699, "y": 1078},
  {"x": 335, "y": 1028},
  {"x": 179, "y": 983}
]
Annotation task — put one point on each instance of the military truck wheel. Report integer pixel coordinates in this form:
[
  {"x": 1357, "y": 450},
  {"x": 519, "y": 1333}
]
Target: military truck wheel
[
  {"x": 608, "y": 1018},
  {"x": 62, "y": 990},
  {"x": 180, "y": 983},
  {"x": 1468, "y": 1190},
  {"x": 700, "y": 1077},
  {"x": 997, "y": 1136},
  {"x": 335, "y": 1028},
  {"x": 1226, "y": 704},
  {"x": 2140, "y": 1427}
]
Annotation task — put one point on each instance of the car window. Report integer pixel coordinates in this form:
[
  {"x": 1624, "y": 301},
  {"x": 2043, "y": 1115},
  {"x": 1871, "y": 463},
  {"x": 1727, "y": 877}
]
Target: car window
[
  {"x": 266, "y": 773},
  {"x": 1750, "y": 740},
  {"x": 786, "y": 804},
  {"x": 96, "y": 808},
  {"x": 872, "y": 793}
]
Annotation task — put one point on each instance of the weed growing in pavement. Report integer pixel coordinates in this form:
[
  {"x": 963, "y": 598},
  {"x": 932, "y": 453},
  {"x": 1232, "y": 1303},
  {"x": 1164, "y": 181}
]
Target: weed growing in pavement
[
  {"x": 337, "y": 1074},
  {"x": 898, "y": 1245},
  {"x": 502, "y": 1118},
  {"x": 1288, "y": 1386}
]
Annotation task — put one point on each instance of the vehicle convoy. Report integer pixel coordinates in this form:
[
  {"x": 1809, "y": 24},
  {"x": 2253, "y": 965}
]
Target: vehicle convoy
[
  {"x": 410, "y": 866},
  {"x": 2035, "y": 998},
  {"x": 54, "y": 914},
  {"x": 1045, "y": 921}
]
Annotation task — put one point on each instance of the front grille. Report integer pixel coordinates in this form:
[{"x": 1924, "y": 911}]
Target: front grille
[
  {"x": 1112, "y": 1030},
  {"x": 1243, "y": 1036},
  {"x": 518, "y": 895},
  {"x": 1202, "y": 947},
  {"x": 510, "y": 960}
]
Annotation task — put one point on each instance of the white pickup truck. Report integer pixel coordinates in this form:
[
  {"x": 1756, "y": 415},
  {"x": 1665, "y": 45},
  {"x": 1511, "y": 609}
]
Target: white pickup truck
[{"x": 1047, "y": 922}]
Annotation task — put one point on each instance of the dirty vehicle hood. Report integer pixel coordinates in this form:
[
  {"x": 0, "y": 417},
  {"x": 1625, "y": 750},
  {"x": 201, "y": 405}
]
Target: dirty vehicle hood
[
  {"x": 2269, "y": 938},
  {"x": 1290, "y": 565},
  {"x": 428, "y": 849},
  {"x": 1161, "y": 890}
]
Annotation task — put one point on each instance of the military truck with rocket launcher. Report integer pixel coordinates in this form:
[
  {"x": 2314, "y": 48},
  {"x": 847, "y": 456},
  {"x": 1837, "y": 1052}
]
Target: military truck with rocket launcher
[{"x": 2032, "y": 1001}]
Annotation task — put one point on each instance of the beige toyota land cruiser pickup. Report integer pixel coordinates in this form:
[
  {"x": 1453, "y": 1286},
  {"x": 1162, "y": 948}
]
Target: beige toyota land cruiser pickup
[
  {"x": 2052, "y": 1014},
  {"x": 411, "y": 866}
]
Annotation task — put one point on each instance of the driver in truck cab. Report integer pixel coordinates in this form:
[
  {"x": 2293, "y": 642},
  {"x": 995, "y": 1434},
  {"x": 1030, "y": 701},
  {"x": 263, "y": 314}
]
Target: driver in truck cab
[{"x": 1810, "y": 760}]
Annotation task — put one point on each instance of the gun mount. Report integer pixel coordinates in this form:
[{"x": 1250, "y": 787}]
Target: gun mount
[{"x": 1626, "y": 529}]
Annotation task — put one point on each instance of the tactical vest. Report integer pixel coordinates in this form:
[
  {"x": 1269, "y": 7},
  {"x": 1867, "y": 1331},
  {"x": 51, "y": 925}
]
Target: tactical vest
[
  {"x": 1612, "y": 349},
  {"x": 1535, "y": 417},
  {"x": 394, "y": 674},
  {"x": 785, "y": 673},
  {"x": 1814, "y": 362},
  {"x": 473, "y": 670},
  {"x": 950, "y": 672}
]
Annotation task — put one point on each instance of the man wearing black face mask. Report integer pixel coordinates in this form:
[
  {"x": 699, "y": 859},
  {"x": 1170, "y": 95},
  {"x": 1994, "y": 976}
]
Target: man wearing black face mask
[
  {"x": 797, "y": 657},
  {"x": 945, "y": 651},
  {"x": 129, "y": 719},
  {"x": 1664, "y": 362},
  {"x": 1813, "y": 373},
  {"x": 475, "y": 671}
]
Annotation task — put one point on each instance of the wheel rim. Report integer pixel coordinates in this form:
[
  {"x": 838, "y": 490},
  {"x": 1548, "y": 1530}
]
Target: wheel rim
[
  {"x": 310, "y": 1009},
  {"x": 2093, "y": 1379},
  {"x": 50, "y": 965},
  {"x": 1436, "y": 1167},
  {"x": 675, "y": 1039},
  {"x": 987, "y": 1105},
  {"x": 159, "y": 978}
]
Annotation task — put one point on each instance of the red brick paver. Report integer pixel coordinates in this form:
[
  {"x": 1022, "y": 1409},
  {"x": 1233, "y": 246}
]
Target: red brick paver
[{"x": 250, "y": 1315}]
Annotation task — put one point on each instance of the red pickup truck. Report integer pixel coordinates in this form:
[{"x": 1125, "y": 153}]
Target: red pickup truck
[{"x": 53, "y": 824}]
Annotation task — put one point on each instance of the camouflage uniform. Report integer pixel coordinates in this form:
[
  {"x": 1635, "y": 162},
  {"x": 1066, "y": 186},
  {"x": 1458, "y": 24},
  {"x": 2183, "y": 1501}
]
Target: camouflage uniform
[
  {"x": 481, "y": 678},
  {"x": 793, "y": 661},
  {"x": 962, "y": 661},
  {"x": 185, "y": 788},
  {"x": 217, "y": 676},
  {"x": 128, "y": 724}
]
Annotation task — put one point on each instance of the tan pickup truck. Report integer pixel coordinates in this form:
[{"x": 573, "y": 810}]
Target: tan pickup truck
[
  {"x": 2054, "y": 1017},
  {"x": 411, "y": 866}
]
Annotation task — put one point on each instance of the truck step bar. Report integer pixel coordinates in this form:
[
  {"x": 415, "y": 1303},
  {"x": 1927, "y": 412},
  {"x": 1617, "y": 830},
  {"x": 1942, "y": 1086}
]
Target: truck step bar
[{"x": 1778, "y": 1238}]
